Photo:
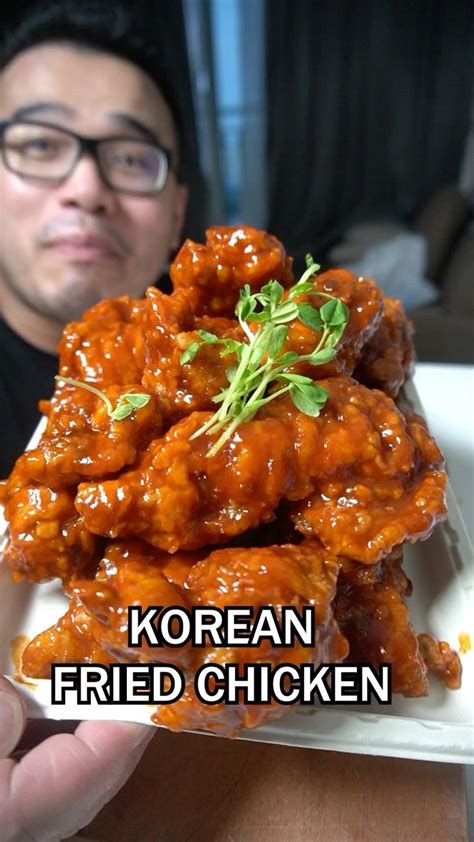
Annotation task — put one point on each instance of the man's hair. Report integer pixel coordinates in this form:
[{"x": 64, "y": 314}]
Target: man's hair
[{"x": 109, "y": 26}]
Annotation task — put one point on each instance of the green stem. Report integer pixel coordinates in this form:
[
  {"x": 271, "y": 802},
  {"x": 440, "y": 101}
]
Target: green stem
[
  {"x": 244, "y": 416},
  {"x": 207, "y": 426},
  {"x": 311, "y": 270},
  {"x": 274, "y": 395},
  {"x": 224, "y": 437},
  {"x": 260, "y": 390},
  {"x": 249, "y": 334},
  {"x": 321, "y": 342},
  {"x": 87, "y": 386},
  {"x": 237, "y": 376}
]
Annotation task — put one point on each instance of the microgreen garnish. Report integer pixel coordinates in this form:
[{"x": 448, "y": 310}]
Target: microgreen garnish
[
  {"x": 262, "y": 373},
  {"x": 125, "y": 405}
]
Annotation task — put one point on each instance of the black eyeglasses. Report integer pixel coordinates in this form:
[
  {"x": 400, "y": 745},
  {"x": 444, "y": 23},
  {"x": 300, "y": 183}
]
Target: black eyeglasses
[{"x": 45, "y": 152}]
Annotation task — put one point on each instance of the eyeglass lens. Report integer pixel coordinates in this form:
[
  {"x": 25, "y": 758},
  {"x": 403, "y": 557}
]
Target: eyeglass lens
[{"x": 48, "y": 153}]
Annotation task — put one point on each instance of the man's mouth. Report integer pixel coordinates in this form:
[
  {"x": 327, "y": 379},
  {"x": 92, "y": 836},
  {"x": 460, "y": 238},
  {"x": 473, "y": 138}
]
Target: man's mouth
[{"x": 83, "y": 247}]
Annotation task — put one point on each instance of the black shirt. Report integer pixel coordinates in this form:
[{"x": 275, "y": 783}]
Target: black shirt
[{"x": 26, "y": 376}]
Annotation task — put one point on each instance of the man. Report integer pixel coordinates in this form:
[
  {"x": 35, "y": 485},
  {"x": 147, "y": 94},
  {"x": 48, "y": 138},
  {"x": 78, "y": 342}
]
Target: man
[
  {"x": 91, "y": 205},
  {"x": 90, "y": 189}
]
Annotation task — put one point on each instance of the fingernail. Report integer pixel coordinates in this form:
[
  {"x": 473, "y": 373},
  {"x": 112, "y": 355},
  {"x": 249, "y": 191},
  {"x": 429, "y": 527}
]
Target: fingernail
[{"x": 11, "y": 722}]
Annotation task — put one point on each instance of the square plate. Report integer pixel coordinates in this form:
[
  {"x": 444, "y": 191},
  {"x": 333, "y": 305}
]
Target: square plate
[{"x": 438, "y": 727}]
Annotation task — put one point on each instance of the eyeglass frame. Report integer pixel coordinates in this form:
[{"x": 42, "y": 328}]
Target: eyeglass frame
[{"x": 89, "y": 145}]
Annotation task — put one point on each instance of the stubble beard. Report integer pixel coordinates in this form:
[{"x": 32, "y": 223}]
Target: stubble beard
[{"x": 66, "y": 307}]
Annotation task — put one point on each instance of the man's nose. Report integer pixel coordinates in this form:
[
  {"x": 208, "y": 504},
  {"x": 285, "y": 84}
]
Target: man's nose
[{"x": 85, "y": 188}]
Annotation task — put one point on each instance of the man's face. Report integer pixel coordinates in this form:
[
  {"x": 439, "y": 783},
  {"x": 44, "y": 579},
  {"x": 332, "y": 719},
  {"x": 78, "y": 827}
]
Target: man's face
[{"x": 64, "y": 246}]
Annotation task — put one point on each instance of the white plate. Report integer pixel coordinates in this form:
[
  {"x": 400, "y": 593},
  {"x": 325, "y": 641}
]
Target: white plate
[{"x": 439, "y": 727}]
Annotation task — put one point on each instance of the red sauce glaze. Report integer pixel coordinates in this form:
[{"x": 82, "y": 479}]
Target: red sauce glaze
[{"x": 292, "y": 510}]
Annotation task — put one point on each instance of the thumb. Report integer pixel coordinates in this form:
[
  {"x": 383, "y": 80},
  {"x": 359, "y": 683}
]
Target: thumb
[{"x": 12, "y": 717}]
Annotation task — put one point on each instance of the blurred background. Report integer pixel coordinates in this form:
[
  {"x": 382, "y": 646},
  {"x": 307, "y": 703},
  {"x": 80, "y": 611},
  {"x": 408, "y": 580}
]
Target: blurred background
[{"x": 345, "y": 128}]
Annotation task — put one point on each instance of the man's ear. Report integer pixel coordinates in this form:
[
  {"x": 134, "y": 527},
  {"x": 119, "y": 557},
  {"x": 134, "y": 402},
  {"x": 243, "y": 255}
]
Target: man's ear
[{"x": 181, "y": 203}]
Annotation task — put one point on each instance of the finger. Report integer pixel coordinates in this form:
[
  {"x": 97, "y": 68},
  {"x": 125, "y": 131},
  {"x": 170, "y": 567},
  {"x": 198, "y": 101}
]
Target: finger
[
  {"x": 60, "y": 785},
  {"x": 12, "y": 717},
  {"x": 38, "y": 730}
]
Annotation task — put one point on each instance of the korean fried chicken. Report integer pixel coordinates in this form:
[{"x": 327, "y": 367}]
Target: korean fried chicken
[
  {"x": 169, "y": 329},
  {"x": 212, "y": 275},
  {"x": 371, "y": 610},
  {"x": 128, "y": 511},
  {"x": 376, "y": 347},
  {"x": 201, "y": 500},
  {"x": 387, "y": 359},
  {"x": 397, "y": 495},
  {"x": 68, "y": 641},
  {"x": 94, "y": 628},
  {"x": 47, "y": 536},
  {"x": 107, "y": 346},
  {"x": 364, "y": 301},
  {"x": 82, "y": 440},
  {"x": 441, "y": 660}
]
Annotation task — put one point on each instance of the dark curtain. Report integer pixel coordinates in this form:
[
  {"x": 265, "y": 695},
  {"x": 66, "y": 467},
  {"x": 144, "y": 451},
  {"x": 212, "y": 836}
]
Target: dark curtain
[
  {"x": 161, "y": 21},
  {"x": 368, "y": 111}
]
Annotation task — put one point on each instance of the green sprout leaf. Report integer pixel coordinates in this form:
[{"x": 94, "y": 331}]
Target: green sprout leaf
[
  {"x": 231, "y": 346},
  {"x": 286, "y": 312},
  {"x": 208, "y": 338},
  {"x": 325, "y": 355},
  {"x": 299, "y": 379},
  {"x": 188, "y": 355},
  {"x": 246, "y": 305},
  {"x": 136, "y": 400},
  {"x": 126, "y": 404},
  {"x": 273, "y": 290},
  {"x": 277, "y": 340},
  {"x": 309, "y": 399},
  {"x": 334, "y": 313},
  {"x": 335, "y": 336},
  {"x": 121, "y": 411},
  {"x": 310, "y": 316}
]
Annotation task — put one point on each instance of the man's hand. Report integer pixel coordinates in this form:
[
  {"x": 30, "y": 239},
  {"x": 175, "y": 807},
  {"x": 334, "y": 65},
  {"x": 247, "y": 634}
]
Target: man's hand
[{"x": 61, "y": 784}]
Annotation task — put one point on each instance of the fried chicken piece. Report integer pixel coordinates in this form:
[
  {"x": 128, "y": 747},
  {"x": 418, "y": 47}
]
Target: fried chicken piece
[
  {"x": 441, "y": 660},
  {"x": 107, "y": 346},
  {"x": 387, "y": 359},
  {"x": 170, "y": 328},
  {"x": 47, "y": 537},
  {"x": 213, "y": 274},
  {"x": 132, "y": 573},
  {"x": 200, "y": 500},
  {"x": 286, "y": 575},
  {"x": 394, "y": 490},
  {"x": 81, "y": 440},
  {"x": 365, "y": 303},
  {"x": 68, "y": 641},
  {"x": 364, "y": 460},
  {"x": 94, "y": 629},
  {"x": 276, "y": 575},
  {"x": 371, "y": 612}
]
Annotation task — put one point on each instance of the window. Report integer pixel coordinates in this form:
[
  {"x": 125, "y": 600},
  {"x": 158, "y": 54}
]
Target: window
[{"x": 227, "y": 58}]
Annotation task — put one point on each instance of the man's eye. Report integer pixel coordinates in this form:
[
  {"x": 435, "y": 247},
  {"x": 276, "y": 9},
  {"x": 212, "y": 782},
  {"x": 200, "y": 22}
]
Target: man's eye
[
  {"x": 132, "y": 163},
  {"x": 39, "y": 147}
]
